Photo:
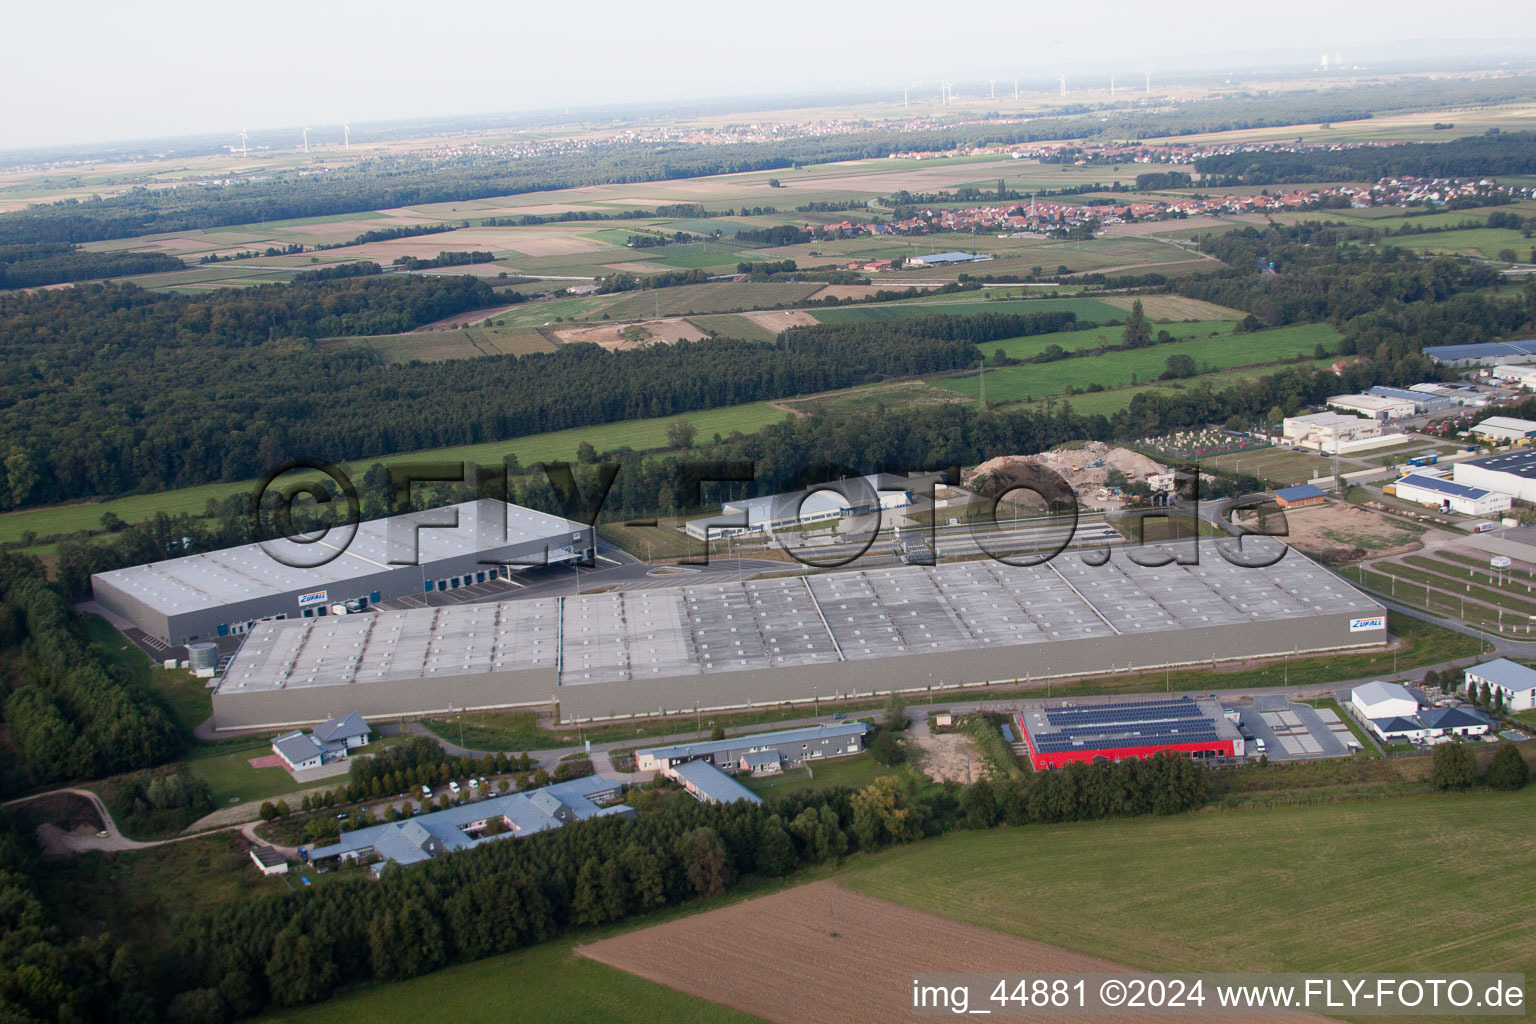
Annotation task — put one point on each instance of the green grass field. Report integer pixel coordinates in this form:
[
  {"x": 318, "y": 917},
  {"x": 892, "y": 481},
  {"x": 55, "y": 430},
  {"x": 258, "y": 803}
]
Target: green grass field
[
  {"x": 1278, "y": 465},
  {"x": 637, "y": 434},
  {"x": 1484, "y": 242},
  {"x": 853, "y": 772},
  {"x": 545, "y": 983},
  {"x": 728, "y": 325},
  {"x": 1072, "y": 341},
  {"x": 1119, "y": 369},
  {"x": 226, "y": 768},
  {"x": 1291, "y": 888},
  {"x": 1092, "y": 310}
]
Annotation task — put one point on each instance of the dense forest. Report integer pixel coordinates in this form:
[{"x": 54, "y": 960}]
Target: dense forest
[
  {"x": 32, "y": 266},
  {"x": 71, "y": 714},
  {"x": 1499, "y": 154},
  {"x": 116, "y": 389}
]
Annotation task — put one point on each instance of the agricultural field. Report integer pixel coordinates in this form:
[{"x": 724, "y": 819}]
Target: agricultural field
[
  {"x": 1229, "y": 891},
  {"x": 1119, "y": 369},
  {"x": 1100, "y": 337},
  {"x": 546, "y": 983},
  {"x": 821, "y": 952},
  {"x": 1092, "y": 310},
  {"x": 436, "y": 346},
  {"x": 1171, "y": 308},
  {"x": 1484, "y": 242}
]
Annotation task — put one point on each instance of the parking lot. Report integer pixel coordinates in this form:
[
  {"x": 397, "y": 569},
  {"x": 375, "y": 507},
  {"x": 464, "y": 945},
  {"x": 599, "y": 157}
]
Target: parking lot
[{"x": 1293, "y": 731}]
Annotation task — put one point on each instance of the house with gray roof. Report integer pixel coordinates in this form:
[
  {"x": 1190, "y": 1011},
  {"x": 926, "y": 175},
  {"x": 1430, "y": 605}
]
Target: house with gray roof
[
  {"x": 710, "y": 785},
  {"x": 348, "y": 729},
  {"x": 436, "y": 833},
  {"x": 330, "y": 741},
  {"x": 1514, "y": 682}
]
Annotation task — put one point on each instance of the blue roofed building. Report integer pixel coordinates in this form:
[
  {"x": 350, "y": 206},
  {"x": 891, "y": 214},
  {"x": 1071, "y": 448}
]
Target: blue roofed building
[
  {"x": 939, "y": 259},
  {"x": 433, "y": 834},
  {"x": 1449, "y": 496},
  {"x": 1299, "y": 496},
  {"x": 1486, "y": 352}
]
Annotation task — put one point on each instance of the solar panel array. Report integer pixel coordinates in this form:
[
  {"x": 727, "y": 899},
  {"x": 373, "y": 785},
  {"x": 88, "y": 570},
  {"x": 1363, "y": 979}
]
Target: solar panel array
[
  {"x": 1095, "y": 738},
  {"x": 1129, "y": 724},
  {"x": 1136, "y": 711}
]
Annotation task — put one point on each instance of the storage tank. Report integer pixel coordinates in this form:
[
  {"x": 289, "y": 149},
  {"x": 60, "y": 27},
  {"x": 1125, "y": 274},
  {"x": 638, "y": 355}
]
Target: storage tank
[{"x": 203, "y": 655}]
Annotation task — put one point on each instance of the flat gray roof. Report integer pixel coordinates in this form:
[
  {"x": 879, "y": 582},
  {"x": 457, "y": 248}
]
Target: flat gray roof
[
  {"x": 757, "y": 740},
  {"x": 794, "y": 621},
  {"x": 244, "y": 573}
]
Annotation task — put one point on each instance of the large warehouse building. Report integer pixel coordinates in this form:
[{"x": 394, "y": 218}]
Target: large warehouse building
[
  {"x": 227, "y": 592},
  {"x": 1057, "y": 736},
  {"x": 808, "y": 638},
  {"x": 1513, "y": 474}
]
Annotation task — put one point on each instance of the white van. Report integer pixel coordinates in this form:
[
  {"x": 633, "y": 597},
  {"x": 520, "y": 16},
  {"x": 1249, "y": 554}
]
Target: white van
[{"x": 1259, "y": 745}]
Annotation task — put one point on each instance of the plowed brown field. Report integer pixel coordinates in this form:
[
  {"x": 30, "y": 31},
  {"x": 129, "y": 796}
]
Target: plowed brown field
[{"x": 819, "y": 952}]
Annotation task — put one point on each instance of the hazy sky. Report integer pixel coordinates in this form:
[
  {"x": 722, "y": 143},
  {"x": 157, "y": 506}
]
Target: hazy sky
[{"x": 95, "y": 71}]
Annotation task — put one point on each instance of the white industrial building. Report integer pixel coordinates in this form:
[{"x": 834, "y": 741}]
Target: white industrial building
[
  {"x": 1327, "y": 431},
  {"x": 1449, "y": 496},
  {"x": 223, "y": 593},
  {"x": 1377, "y": 407},
  {"x": 1514, "y": 682},
  {"x": 1505, "y": 430},
  {"x": 1524, "y": 376},
  {"x": 1383, "y": 700},
  {"x": 1513, "y": 473},
  {"x": 857, "y": 496}
]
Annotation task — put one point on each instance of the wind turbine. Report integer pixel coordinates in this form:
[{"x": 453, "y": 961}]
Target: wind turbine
[
  {"x": 305, "y": 130},
  {"x": 244, "y": 138},
  {"x": 346, "y": 135}
]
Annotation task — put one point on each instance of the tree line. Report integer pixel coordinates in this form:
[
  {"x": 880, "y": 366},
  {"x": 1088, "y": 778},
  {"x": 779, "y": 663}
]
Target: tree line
[
  {"x": 70, "y": 712},
  {"x": 1501, "y": 154},
  {"x": 38, "y": 264}
]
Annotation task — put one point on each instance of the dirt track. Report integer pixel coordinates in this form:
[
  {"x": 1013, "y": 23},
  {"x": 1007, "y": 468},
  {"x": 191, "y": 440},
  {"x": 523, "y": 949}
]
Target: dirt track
[{"x": 819, "y": 952}]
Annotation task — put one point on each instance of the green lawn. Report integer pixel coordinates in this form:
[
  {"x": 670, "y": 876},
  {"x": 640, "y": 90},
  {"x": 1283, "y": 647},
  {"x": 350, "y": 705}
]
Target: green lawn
[
  {"x": 225, "y": 766},
  {"x": 854, "y": 772},
  {"x": 1275, "y": 889}
]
